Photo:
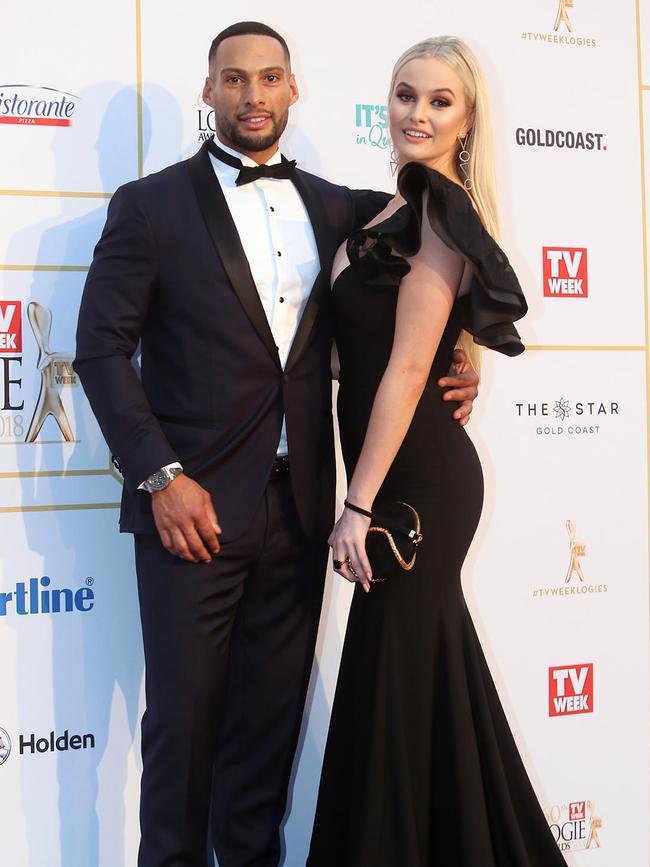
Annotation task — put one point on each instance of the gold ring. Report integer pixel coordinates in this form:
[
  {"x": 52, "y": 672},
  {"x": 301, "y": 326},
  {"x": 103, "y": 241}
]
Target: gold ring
[{"x": 348, "y": 563}]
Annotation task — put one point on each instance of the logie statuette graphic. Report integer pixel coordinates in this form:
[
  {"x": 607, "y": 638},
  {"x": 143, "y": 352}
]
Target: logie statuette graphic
[
  {"x": 578, "y": 549},
  {"x": 563, "y": 15},
  {"x": 56, "y": 372}
]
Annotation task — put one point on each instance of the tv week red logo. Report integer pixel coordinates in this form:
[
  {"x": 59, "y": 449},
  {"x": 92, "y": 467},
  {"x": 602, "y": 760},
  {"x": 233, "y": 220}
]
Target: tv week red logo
[
  {"x": 577, "y": 811},
  {"x": 565, "y": 272},
  {"x": 571, "y": 689},
  {"x": 11, "y": 326}
]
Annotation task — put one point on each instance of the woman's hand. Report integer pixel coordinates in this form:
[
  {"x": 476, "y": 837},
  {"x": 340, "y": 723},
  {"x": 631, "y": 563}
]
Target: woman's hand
[{"x": 348, "y": 543}]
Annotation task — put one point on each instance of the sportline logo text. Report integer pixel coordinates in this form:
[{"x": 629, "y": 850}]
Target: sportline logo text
[
  {"x": 565, "y": 272},
  {"x": 11, "y": 327},
  {"x": 27, "y": 105},
  {"x": 571, "y": 689}
]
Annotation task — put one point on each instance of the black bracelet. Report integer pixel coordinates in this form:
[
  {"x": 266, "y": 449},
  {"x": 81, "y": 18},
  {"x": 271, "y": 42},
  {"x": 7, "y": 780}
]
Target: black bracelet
[{"x": 353, "y": 508}]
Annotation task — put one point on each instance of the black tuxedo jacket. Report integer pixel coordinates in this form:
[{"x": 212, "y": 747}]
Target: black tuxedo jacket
[{"x": 169, "y": 273}]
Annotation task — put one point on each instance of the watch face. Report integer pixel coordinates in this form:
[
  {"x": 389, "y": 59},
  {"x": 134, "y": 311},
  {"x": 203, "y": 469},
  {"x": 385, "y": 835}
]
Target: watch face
[{"x": 158, "y": 481}]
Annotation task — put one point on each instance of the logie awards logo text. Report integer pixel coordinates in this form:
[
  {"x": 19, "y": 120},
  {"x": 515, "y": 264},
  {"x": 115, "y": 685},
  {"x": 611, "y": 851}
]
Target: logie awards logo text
[{"x": 575, "y": 826}]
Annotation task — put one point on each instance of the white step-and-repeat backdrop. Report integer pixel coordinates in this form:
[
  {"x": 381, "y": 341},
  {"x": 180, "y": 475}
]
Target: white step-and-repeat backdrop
[{"x": 93, "y": 95}]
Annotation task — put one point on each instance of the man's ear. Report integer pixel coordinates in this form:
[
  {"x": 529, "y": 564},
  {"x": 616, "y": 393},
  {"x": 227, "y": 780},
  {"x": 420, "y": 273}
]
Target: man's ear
[
  {"x": 293, "y": 89},
  {"x": 208, "y": 89}
]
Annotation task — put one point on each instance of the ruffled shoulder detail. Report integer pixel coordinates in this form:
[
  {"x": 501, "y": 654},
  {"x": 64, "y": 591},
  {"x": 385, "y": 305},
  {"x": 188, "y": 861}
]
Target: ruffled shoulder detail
[{"x": 492, "y": 300}]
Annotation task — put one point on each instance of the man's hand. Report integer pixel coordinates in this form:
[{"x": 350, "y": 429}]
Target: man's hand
[
  {"x": 186, "y": 520},
  {"x": 462, "y": 384}
]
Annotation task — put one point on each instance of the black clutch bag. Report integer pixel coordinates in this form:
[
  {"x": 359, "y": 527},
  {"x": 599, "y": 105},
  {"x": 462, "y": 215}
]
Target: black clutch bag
[{"x": 393, "y": 538}]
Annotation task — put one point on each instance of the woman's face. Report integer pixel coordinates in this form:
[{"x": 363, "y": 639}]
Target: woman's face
[{"x": 427, "y": 112}]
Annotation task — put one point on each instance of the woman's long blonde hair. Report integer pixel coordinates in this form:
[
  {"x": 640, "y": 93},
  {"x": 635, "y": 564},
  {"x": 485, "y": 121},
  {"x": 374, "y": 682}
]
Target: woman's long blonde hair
[{"x": 458, "y": 55}]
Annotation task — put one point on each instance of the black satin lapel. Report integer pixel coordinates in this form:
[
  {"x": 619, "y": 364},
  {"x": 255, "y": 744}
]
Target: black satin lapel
[
  {"x": 325, "y": 243},
  {"x": 318, "y": 300},
  {"x": 227, "y": 242}
]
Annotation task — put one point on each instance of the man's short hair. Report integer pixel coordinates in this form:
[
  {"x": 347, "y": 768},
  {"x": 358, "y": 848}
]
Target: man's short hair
[{"x": 246, "y": 28}]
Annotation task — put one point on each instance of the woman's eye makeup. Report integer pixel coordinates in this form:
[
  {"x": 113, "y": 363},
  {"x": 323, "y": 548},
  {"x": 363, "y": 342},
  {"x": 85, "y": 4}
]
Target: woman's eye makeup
[{"x": 437, "y": 101}]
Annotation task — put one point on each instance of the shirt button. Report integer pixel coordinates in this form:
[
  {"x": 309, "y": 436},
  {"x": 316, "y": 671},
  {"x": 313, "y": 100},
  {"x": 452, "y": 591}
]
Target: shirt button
[
  {"x": 281, "y": 300},
  {"x": 279, "y": 253},
  {"x": 272, "y": 209}
]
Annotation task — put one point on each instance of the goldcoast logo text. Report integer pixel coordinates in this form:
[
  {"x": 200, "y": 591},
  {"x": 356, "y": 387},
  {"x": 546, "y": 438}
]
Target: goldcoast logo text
[{"x": 26, "y": 105}]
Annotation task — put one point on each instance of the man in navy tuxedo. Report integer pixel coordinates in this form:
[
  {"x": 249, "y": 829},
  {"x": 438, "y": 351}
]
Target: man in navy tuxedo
[{"x": 226, "y": 447}]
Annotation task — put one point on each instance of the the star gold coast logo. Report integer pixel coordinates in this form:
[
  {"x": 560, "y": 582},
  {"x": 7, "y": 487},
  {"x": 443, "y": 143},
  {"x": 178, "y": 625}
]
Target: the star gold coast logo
[
  {"x": 575, "y": 826},
  {"x": 562, "y": 417},
  {"x": 575, "y": 581},
  {"x": 563, "y": 33},
  {"x": 53, "y": 369}
]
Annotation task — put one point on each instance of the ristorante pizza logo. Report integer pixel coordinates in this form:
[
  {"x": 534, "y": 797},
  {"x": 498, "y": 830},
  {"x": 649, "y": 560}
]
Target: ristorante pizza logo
[
  {"x": 560, "y": 138},
  {"x": 571, "y": 689},
  {"x": 53, "y": 370},
  {"x": 27, "y": 105},
  {"x": 562, "y": 417},
  {"x": 576, "y": 583},
  {"x": 565, "y": 272},
  {"x": 575, "y": 826},
  {"x": 563, "y": 29}
]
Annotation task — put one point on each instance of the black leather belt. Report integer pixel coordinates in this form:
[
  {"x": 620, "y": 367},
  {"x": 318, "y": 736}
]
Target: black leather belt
[{"x": 280, "y": 467}]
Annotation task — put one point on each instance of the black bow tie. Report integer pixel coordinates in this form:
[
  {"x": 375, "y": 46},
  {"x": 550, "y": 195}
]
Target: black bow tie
[{"x": 248, "y": 174}]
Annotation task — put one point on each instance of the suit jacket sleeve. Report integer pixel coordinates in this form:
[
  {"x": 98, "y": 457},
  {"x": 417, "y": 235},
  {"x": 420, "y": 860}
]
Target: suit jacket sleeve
[
  {"x": 119, "y": 289},
  {"x": 367, "y": 204}
]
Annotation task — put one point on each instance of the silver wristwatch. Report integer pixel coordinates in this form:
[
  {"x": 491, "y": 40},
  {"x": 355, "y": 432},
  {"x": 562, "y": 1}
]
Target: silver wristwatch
[{"x": 159, "y": 480}]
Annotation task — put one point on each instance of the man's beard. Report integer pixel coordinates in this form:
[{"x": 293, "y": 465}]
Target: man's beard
[{"x": 250, "y": 142}]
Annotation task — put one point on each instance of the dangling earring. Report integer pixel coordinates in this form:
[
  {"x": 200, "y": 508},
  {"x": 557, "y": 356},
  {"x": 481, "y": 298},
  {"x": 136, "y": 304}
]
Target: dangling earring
[
  {"x": 394, "y": 160},
  {"x": 463, "y": 162}
]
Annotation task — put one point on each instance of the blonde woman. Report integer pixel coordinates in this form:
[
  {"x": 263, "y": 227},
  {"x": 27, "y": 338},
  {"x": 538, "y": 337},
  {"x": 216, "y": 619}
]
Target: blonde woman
[{"x": 421, "y": 768}]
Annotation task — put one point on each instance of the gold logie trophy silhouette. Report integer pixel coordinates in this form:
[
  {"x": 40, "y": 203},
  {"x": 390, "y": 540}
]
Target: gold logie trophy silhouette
[
  {"x": 578, "y": 549},
  {"x": 563, "y": 15},
  {"x": 593, "y": 838},
  {"x": 56, "y": 371}
]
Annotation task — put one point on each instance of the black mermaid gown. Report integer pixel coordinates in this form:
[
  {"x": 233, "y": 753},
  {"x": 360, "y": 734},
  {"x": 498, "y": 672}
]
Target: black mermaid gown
[{"x": 421, "y": 769}]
